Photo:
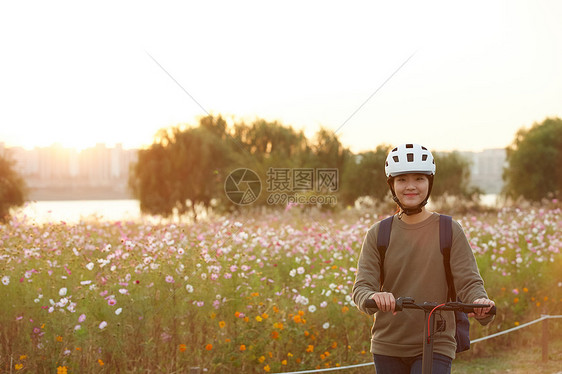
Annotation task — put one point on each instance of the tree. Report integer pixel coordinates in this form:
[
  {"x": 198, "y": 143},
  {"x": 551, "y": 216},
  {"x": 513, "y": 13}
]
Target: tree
[
  {"x": 182, "y": 170},
  {"x": 534, "y": 159},
  {"x": 13, "y": 190},
  {"x": 452, "y": 178},
  {"x": 364, "y": 176}
]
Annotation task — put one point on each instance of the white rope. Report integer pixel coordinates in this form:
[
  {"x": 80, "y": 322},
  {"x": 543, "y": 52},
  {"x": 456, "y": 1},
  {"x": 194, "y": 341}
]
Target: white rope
[{"x": 543, "y": 317}]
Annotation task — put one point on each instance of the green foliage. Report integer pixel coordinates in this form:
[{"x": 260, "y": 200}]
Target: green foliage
[
  {"x": 452, "y": 178},
  {"x": 364, "y": 176},
  {"x": 13, "y": 189},
  {"x": 182, "y": 170},
  {"x": 186, "y": 168},
  {"x": 535, "y": 159}
]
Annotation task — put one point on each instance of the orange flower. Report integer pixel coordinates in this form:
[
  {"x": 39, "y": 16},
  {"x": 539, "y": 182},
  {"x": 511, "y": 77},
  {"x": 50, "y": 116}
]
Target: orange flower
[
  {"x": 306, "y": 333},
  {"x": 275, "y": 335},
  {"x": 59, "y": 338},
  {"x": 237, "y": 314},
  {"x": 246, "y": 319},
  {"x": 261, "y": 359},
  {"x": 61, "y": 370},
  {"x": 182, "y": 347},
  {"x": 334, "y": 345},
  {"x": 545, "y": 298},
  {"x": 208, "y": 347},
  {"x": 516, "y": 300},
  {"x": 310, "y": 348},
  {"x": 100, "y": 362},
  {"x": 301, "y": 313},
  {"x": 242, "y": 347},
  {"x": 265, "y": 316},
  {"x": 227, "y": 340},
  {"x": 23, "y": 357},
  {"x": 284, "y": 362},
  {"x": 267, "y": 368},
  {"x": 344, "y": 309},
  {"x": 297, "y": 319},
  {"x": 18, "y": 366},
  {"x": 525, "y": 289},
  {"x": 275, "y": 309},
  {"x": 259, "y": 319},
  {"x": 278, "y": 325},
  {"x": 222, "y": 324}
]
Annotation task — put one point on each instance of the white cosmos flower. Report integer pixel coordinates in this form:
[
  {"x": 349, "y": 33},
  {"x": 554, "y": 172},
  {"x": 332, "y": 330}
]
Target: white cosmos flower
[
  {"x": 5, "y": 280},
  {"x": 90, "y": 266},
  {"x": 62, "y": 291},
  {"x": 312, "y": 308},
  {"x": 118, "y": 311},
  {"x": 326, "y": 325}
]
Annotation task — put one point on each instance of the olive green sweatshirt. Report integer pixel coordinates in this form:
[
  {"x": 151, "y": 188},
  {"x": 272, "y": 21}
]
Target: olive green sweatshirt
[{"x": 413, "y": 266}]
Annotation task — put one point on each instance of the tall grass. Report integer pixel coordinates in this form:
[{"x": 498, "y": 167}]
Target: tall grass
[{"x": 252, "y": 293}]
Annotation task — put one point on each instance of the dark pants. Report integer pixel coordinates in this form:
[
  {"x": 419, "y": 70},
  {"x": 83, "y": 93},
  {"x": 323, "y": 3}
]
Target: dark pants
[{"x": 410, "y": 365}]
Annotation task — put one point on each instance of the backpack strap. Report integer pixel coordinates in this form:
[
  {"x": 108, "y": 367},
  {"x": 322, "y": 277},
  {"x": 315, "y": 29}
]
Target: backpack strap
[
  {"x": 445, "y": 243},
  {"x": 383, "y": 238}
]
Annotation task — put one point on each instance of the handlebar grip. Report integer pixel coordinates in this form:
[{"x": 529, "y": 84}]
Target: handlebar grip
[
  {"x": 370, "y": 303},
  {"x": 492, "y": 311}
]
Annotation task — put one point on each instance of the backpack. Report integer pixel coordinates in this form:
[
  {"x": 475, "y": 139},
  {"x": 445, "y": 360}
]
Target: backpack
[{"x": 445, "y": 243}]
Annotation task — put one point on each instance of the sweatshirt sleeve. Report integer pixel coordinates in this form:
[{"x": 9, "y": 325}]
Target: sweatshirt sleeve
[
  {"x": 367, "y": 279},
  {"x": 468, "y": 282}
]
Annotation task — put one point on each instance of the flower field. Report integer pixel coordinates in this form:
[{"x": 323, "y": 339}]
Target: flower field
[{"x": 266, "y": 292}]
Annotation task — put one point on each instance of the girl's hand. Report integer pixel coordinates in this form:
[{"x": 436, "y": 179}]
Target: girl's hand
[
  {"x": 385, "y": 301},
  {"x": 481, "y": 312}
]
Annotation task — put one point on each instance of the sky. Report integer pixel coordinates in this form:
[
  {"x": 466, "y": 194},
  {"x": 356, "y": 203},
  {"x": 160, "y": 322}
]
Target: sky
[{"x": 449, "y": 75}]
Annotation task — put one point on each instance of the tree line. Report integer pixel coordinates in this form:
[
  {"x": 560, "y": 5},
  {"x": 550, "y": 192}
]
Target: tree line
[{"x": 187, "y": 168}]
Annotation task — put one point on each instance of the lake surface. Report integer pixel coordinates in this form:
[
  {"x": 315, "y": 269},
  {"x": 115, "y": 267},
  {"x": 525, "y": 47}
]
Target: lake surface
[{"x": 73, "y": 211}]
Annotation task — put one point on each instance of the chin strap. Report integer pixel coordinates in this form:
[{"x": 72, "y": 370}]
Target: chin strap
[{"x": 410, "y": 211}]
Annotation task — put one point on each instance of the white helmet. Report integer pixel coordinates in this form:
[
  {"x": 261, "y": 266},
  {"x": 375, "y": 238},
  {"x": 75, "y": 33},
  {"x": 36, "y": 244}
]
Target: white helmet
[{"x": 409, "y": 158}]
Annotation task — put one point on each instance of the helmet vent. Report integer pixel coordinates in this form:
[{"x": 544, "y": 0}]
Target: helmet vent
[
  {"x": 422, "y": 147},
  {"x": 424, "y": 157},
  {"x": 410, "y": 157},
  {"x": 395, "y": 158},
  {"x": 409, "y": 146}
]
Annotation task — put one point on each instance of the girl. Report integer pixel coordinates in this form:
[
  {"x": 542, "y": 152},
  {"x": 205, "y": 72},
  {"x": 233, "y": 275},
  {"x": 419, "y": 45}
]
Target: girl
[{"x": 413, "y": 266}]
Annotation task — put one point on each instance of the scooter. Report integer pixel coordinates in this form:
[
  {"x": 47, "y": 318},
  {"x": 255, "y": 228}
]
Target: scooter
[{"x": 429, "y": 326}]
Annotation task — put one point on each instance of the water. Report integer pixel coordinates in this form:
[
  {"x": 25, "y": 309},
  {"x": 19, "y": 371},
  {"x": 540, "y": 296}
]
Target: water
[{"x": 74, "y": 211}]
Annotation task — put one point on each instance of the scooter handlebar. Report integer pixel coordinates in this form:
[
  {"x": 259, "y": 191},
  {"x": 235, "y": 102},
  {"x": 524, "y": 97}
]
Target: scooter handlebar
[{"x": 408, "y": 302}]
